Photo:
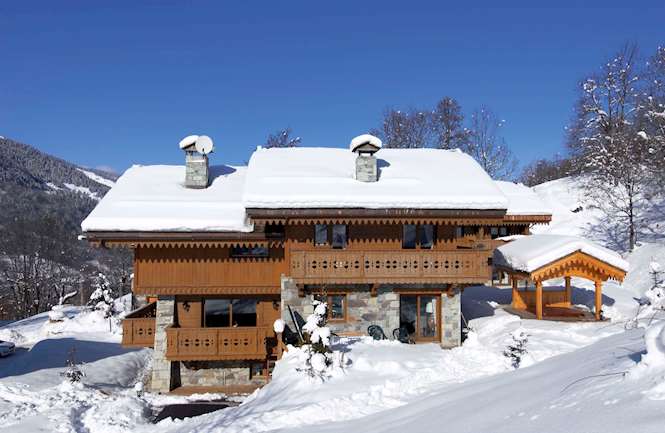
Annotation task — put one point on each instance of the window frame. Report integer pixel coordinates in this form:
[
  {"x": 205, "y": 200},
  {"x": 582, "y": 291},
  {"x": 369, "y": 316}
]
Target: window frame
[
  {"x": 326, "y": 230},
  {"x": 235, "y": 255},
  {"x": 230, "y": 301},
  {"x": 346, "y": 236},
  {"x": 418, "y": 237},
  {"x": 328, "y": 300}
]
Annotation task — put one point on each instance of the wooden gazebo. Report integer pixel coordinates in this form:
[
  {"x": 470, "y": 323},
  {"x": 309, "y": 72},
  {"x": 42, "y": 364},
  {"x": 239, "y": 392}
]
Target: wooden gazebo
[{"x": 539, "y": 258}]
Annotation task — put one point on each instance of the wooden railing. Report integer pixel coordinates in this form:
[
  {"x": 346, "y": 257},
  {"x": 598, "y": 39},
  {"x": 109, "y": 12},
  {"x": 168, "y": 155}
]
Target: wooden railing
[
  {"x": 348, "y": 266},
  {"x": 138, "y": 327},
  {"x": 203, "y": 344},
  {"x": 551, "y": 298}
]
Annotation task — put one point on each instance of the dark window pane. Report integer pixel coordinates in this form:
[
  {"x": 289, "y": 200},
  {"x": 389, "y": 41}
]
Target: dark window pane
[
  {"x": 427, "y": 236},
  {"x": 320, "y": 234},
  {"x": 409, "y": 236},
  {"x": 257, "y": 251},
  {"x": 407, "y": 312},
  {"x": 494, "y": 232},
  {"x": 459, "y": 232},
  {"x": 428, "y": 307},
  {"x": 217, "y": 313},
  {"x": 244, "y": 312},
  {"x": 503, "y": 231},
  {"x": 339, "y": 236},
  {"x": 336, "y": 306}
]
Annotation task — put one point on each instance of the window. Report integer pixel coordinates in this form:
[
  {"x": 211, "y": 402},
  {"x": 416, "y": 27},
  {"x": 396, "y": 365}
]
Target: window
[
  {"x": 494, "y": 232},
  {"x": 339, "y": 236},
  {"x": 255, "y": 251},
  {"x": 414, "y": 235},
  {"x": 336, "y": 306},
  {"x": 503, "y": 231},
  {"x": 427, "y": 236},
  {"x": 225, "y": 313},
  {"x": 321, "y": 234},
  {"x": 409, "y": 236}
]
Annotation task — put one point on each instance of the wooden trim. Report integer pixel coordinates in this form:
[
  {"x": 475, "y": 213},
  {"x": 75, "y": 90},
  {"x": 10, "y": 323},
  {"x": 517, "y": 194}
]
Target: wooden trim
[
  {"x": 543, "y": 218},
  {"x": 212, "y": 290},
  {"x": 281, "y": 213}
]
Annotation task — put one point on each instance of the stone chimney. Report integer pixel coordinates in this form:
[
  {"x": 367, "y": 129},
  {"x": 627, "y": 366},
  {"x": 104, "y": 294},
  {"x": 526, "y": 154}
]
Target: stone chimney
[
  {"x": 365, "y": 146},
  {"x": 196, "y": 160}
]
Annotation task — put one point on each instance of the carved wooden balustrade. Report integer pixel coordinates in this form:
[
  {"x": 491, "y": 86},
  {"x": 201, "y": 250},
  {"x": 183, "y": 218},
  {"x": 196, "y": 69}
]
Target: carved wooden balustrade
[
  {"x": 138, "y": 327},
  {"x": 422, "y": 266},
  {"x": 203, "y": 344}
]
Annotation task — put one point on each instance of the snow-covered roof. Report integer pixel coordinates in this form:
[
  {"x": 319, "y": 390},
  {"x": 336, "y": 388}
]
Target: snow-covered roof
[
  {"x": 365, "y": 139},
  {"x": 522, "y": 200},
  {"x": 530, "y": 253},
  {"x": 309, "y": 177},
  {"x": 153, "y": 198}
]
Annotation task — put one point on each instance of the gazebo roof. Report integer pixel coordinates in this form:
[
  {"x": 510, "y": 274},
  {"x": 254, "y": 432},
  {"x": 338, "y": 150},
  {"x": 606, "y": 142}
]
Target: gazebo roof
[{"x": 541, "y": 257}]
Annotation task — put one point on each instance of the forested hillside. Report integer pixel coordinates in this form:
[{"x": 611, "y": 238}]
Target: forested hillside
[{"x": 43, "y": 200}]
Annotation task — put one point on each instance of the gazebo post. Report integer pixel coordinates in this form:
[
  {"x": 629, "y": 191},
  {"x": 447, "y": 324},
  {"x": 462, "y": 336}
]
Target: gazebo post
[
  {"x": 513, "y": 280},
  {"x": 569, "y": 297},
  {"x": 539, "y": 300},
  {"x": 599, "y": 297}
]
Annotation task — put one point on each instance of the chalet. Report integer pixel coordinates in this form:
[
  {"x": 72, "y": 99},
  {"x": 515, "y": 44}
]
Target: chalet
[{"x": 387, "y": 237}]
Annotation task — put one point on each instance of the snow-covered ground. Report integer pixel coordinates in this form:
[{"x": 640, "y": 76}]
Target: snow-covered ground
[{"x": 575, "y": 377}]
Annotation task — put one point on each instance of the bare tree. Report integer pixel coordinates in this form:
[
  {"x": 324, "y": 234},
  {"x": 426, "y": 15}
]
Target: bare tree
[
  {"x": 654, "y": 113},
  {"x": 545, "y": 170},
  {"x": 447, "y": 123},
  {"x": 487, "y": 145},
  {"x": 404, "y": 129},
  {"x": 282, "y": 138},
  {"x": 607, "y": 144}
]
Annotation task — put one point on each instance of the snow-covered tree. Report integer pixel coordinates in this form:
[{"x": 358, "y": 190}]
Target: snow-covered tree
[
  {"x": 517, "y": 347},
  {"x": 654, "y": 112},
  {"x": 282, "y": 138},
  {"x": 73, "y": 372},
  {"x": 607, "y": 141},
  {"x": 316, "y": 344},
  {"x": 487, "y": 145},
  {"x": 102, "y": 298}
]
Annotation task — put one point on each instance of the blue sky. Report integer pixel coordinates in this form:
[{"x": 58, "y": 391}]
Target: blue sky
[{"x": 121, "y": 84}]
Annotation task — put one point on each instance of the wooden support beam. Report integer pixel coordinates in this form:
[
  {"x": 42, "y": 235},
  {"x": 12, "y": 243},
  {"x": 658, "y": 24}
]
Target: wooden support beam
[
  {"x": 513, "y": 302},
  {"x": 539, "y": 300},
  {"x": 569, "y": 297},
  {"x": 374, "y": 290},
  {"x": 599, "y": 298}
]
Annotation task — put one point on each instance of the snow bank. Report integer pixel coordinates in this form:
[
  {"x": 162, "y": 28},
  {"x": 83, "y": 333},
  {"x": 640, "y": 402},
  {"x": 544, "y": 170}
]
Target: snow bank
[
  {"x": 97, "y": 178},
  {"x": 154, "y": 198},
  {"x": 532, "y": 252},
  {"x": 409, "y": 178}
]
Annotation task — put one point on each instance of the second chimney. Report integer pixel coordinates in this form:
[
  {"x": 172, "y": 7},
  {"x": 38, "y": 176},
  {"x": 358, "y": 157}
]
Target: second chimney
[{"x": 365, "y": 146}]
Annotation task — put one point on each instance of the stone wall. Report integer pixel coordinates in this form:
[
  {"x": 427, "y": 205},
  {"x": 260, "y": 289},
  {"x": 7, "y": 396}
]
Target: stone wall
[
  {"x": 196, "y": 170},
  {"x": 451, "y": 316},
  {"x": 363, "y": 310},
  {"x": 163, "y": 379},
  {"x": 218, "y": 373}
]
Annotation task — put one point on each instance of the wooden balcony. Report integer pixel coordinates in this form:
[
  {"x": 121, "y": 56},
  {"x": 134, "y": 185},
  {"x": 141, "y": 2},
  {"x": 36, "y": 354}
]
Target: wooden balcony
[
  {"x": 218, "y": 344},
  {"x": 419, "y": 266},
  {"x": 138, "y": 327}
]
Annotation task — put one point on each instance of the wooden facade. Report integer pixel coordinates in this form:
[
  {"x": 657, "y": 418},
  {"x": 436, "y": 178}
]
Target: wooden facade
[{"x": 193, "y": 269}]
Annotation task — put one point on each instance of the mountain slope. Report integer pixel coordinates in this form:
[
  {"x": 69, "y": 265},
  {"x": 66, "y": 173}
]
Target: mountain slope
[{"x": 43, "y": 201}]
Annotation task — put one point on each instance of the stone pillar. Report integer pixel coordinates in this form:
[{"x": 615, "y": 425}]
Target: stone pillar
[
  {"x": 451, "y": 316},
  {"x": 162, "y": 375},
  {"x": 289, "y": 296}
]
